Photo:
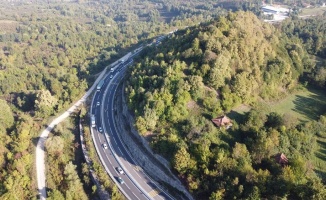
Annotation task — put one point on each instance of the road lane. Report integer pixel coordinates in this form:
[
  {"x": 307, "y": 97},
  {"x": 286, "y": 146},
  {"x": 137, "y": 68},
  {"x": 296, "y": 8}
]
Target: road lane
[{"x": 126, "y": 161}]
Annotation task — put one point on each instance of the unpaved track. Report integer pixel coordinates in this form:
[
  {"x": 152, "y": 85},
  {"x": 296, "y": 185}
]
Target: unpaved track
[{"x": 40, "y": 154}]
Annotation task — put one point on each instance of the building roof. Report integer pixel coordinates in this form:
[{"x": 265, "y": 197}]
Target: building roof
[
  {"x": 281, "y": 159},
  {"x": 275, "y": 9},
  {"x": 222, "y": 121}
]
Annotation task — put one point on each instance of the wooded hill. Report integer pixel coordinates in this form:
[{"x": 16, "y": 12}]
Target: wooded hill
[
  {"x": 177, "y": 88},
  {"x": 50, "y": 52}
]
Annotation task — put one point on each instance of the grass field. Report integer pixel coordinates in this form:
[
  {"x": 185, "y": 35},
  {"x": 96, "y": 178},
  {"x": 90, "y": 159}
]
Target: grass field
[
  {"x": 312, "y": 11},
  {"x": 320, "y": 158},
  {"x": 305, "y": 105}
]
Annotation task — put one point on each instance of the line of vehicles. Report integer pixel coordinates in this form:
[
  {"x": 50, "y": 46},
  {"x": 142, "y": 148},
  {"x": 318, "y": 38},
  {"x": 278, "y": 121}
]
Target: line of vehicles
[
  {"x": 118, "y": 67},
  {"x": 100, "y": 85}
]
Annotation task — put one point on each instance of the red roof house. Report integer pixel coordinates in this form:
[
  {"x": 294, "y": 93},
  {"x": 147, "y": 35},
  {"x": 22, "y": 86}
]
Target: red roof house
[
  {"x": 222, "y": 121},
  {"x": 281, "y": 159}
]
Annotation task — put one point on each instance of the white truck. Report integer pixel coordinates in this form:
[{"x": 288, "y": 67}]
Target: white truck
[{"x": 93, "y": 120}]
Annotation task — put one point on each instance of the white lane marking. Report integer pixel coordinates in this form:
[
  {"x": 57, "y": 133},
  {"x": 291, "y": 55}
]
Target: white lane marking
[
  {"x": 108, "y": 158},
  {"x": 137, "y": 173},
  {"x": 99, "y": 138},
  {"x": 115, "y": 141},
  {"x": 134, "y": 195},
  {"x": 120, "y": 150}
]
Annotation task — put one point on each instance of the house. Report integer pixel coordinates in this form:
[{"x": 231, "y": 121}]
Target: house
[
  {"x": 274, "y": 10},
  {"x": 222, "y": 121},
  {"x": 281, "y": 159}
]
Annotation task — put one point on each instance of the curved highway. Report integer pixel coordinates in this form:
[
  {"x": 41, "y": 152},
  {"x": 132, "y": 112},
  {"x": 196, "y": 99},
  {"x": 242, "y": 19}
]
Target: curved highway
[{"x": 137, "y": 185}]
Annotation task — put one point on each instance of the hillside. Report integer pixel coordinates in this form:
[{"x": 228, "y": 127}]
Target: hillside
[
  {"x": 178, "y": 87},
  {"x": 50, "y": 53}
]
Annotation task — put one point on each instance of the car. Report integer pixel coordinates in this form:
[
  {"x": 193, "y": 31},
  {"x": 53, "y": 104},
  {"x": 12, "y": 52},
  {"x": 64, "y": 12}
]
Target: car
[
  {"x": 120, "y": 170},
  {"x": 105, "y": 146},
  {"x": 120, "y": 180},
  {"x": 98, "y": 103},
  {"x": 112, "y": 70},
  {"x": 100, "y": 129},
  {"x": 111, "y": 76}
]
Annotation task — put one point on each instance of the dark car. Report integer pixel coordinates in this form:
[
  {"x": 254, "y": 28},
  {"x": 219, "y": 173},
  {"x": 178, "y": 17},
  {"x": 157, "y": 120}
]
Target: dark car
[{"x": 120, "y": 180}]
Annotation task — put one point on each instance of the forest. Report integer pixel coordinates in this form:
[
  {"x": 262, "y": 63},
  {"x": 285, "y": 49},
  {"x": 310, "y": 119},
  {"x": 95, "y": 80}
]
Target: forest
[
  {"x": 312, "y": 33},
  {"x": 203, "y": 72},
  {"x": 51, "y": 52}
]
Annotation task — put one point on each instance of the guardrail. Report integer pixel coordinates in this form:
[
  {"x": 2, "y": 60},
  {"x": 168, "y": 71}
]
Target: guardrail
[{"x": 102, "y": 193}]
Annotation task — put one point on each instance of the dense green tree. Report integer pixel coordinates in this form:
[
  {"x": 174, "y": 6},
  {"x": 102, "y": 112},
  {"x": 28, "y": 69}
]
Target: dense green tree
[
  {"x": 44, "y": 103},
  {"x": 74, "y": 186},
  {"x": 205, "y": 71},
  {"x": 55, "y": 145},
  {"x": 6, "y": 118},
  {"x": 182, "y": 161},
  {"x": 55, "y": 195}
]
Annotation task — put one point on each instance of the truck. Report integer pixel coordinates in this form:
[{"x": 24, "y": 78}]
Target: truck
[
  {"x": 93, "y": 120},
  {"x": 100, "y": 84}
]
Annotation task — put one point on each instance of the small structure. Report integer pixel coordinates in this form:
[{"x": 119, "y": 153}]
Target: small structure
[
  {"x": 274, "y": 14},
  {"x": 274, "y": 10},
  {"x": 222, "y": 121},
  {"x": 281, "y": 159}
]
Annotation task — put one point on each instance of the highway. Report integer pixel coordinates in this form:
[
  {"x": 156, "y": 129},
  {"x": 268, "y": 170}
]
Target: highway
[
  {"x": 137, "y": 185},
  {"x": 143, "y": 188}
]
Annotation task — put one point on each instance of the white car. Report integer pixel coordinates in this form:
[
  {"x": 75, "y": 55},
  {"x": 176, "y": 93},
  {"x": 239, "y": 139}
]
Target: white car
[
  {"x": 120, "y": 170},
  {"x": 100, "y": 129},
  {"x": 98, "y": 103},
  {"x": 105, "y": 146},
  {"x": 111, "y": 76}
]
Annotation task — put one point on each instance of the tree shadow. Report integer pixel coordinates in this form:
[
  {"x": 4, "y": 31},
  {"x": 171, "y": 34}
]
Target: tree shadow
[
  {"x": 35, "y": 140},
  {"x": 321, "y": 154},
  {"x": 322, "y": 143},
  {"x": 311, "y": 107},
  {"x": 238, "y": 117},
  {"x": 321, "y": 174}
]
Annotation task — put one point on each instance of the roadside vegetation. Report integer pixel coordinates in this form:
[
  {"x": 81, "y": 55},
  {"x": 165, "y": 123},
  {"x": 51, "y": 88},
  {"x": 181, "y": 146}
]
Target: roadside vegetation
[
  {"x": 96, "y": 166},
  {"x": 64, "y": 154}
]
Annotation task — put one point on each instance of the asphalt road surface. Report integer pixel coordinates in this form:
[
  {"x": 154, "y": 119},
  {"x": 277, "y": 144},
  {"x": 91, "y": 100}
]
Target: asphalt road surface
[{"x": 137, "y": 184}]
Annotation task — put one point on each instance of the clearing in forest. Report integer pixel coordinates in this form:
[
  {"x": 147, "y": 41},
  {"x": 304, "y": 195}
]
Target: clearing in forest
[{"x": 305, "y": 105}]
